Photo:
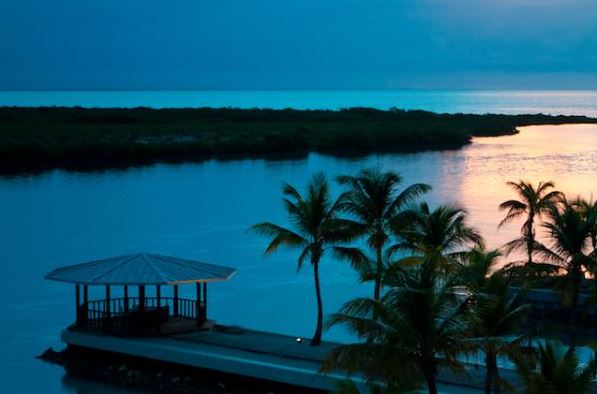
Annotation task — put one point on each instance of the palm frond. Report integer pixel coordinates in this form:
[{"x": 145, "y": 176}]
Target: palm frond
[
  {"x": 291, "y": 191},
  {"x": 355, "y": 256},
  {"x": 280, "y": 236},
  {"x": 407, "y": 196},
  {"x": 515, "y": 210}
]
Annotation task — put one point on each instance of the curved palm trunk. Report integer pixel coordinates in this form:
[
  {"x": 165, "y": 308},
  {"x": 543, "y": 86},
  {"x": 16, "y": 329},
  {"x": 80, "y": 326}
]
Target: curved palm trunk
[{"x": 316, "y": 340}]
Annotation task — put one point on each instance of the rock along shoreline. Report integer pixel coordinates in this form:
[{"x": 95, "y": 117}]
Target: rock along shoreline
[{"x": 156, "y": 377}]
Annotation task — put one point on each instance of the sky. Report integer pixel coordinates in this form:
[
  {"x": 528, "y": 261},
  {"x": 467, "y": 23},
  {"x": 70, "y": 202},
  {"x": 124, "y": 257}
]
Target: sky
[{"x": 297, "y": 44}]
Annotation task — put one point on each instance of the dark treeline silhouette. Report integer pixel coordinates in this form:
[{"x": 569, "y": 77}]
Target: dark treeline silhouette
[
  {"x": 439, "y": 294},
  {"x": 38, "y": 138}
]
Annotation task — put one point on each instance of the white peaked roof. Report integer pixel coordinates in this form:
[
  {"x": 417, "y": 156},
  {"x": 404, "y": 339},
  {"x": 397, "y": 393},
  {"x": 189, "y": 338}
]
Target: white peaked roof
[{"x": 141, "y": 269}]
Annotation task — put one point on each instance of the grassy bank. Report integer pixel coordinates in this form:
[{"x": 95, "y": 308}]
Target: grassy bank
[{"x": 58, "y": 137}]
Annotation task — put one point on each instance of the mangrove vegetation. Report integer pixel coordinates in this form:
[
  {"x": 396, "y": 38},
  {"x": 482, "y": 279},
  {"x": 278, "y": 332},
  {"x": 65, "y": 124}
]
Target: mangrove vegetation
[{"x": 39, "y": 138}]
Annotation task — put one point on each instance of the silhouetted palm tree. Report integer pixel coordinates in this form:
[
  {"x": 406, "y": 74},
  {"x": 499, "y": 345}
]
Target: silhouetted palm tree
[
  {"x": 374, "y": 200},
  {"x": 316, "y": 226},
  {"x": 533, "y": 203},
  {"x": 554, "y": 369},
  {"x": 589, "y": 211},
  {"x": 416, "y": 327},
  {"x": 442, "y": 233},
  {"x": 497, "y": 313},
  {"x": 569, "y": 248}
]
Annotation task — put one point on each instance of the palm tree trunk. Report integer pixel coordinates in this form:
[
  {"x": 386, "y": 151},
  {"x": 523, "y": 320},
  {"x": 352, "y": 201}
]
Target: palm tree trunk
[
  {"x": 431, "y": 384},
  {"x": 489, "y": 373},
  {"x": 497, "y": 387},
  {"x": 530, "y": 239},
  {"x": 430, "y": 372},
  {"x": 378, "y": 274},
  {"x": 574, "y": 306},
  {"x": 316, "y": 340}
]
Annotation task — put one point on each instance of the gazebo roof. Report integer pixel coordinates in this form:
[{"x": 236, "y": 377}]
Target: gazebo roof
[{"x": 141, "y": 269}]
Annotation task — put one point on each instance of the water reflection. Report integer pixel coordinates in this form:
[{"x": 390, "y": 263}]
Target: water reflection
[{"x": 566, "y": 155}]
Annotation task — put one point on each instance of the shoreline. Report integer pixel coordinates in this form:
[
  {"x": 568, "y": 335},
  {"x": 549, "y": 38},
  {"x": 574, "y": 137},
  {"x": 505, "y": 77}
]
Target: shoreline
[{"x": 36, "y": 139}]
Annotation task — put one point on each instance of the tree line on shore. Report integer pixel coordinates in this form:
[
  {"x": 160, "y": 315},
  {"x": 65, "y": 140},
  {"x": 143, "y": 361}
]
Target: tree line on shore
[
  {"x": 40, "y": 138},
  {"x": 438, "y": 292}
]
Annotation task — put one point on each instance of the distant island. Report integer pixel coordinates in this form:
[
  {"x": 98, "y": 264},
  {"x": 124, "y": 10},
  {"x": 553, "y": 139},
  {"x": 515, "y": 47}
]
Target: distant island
[{"x": 40, "y": 138}]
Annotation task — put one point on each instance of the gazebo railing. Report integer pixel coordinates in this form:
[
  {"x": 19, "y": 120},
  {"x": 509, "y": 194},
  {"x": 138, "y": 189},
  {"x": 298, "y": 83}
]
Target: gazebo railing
[{"x": 119, "y": 315}]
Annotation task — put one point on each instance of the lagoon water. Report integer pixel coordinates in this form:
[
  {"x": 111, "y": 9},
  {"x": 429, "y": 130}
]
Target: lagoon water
[{"x": 202, "y": 211}]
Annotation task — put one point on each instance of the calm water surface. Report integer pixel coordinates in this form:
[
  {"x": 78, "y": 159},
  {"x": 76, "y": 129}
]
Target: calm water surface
[{"x": 202, "y": 211}]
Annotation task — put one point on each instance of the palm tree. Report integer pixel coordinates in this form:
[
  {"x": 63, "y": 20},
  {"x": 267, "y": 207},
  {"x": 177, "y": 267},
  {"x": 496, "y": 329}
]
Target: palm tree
[
  {"x": 316, "y": 226},
  {"x": 443, "y": 233},
  {"x": 589, "y": 211},
  {"x": 417, "y": 326},
  {"x": 374, "y": 201},
  {"x": 569, "y": 233},
  {"x": 555, "y": 370},
  {"x": 497, "y": 313},
  {"x": 533, "y": 203}
]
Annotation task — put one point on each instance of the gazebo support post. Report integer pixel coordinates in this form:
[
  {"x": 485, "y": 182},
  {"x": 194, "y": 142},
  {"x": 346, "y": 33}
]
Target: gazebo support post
[
  {"x": 198, "y": 304},
  {"x": 204, "y": 301},
  {"x": 108, "y": 302},
  {"x": 175, "y": 306},
  {"x": 77, "y": 303},
  {"x": 158, "y": 292},
  {"x": 126, "y": 299},
  {"x": 141, "y": 298},
  {"x": 85, "y": 306}
]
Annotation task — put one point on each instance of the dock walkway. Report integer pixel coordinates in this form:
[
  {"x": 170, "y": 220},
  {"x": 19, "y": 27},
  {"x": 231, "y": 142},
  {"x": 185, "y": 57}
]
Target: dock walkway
[
  {"x": 254, "y": 354},
  {"x": 243, "y": 352},
  {"x": 260, "y": 342}
]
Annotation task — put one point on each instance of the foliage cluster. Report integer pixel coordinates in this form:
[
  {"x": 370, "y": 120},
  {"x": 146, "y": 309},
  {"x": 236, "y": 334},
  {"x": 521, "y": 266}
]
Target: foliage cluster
[{"x": 438, "y": 293}]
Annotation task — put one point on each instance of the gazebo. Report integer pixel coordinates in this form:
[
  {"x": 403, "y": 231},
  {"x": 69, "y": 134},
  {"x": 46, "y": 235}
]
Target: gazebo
[{"x": 141, "y": 314}]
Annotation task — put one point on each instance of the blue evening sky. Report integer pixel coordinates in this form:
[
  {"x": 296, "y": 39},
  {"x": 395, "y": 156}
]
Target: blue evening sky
[{"x": 297, "y": 44}]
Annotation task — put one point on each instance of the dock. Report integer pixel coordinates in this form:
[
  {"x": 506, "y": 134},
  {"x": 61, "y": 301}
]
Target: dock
[
  {"x": 254, "y": 354},
  {"x": 170, "y": 329},
  {"x": 166, "y": 328}
]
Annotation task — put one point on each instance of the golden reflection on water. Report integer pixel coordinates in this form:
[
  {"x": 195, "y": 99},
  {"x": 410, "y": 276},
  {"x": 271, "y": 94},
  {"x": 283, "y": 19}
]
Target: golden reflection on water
[{"x": 566, "y": 155}]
